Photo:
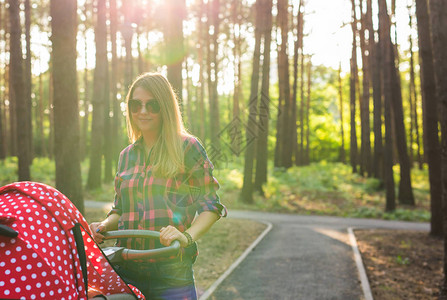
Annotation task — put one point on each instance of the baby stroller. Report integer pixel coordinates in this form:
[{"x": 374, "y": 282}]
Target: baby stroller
[{"x": 47, "y": 252}]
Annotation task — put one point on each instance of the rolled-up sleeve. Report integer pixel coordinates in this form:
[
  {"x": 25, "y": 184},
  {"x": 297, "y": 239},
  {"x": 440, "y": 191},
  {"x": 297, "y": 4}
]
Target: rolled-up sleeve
[{"x": 203, "y": 181}]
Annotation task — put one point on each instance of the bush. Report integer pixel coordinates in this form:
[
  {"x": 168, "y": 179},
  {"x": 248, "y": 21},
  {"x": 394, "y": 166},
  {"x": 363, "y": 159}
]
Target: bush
[{"x": 8, "y": 172}]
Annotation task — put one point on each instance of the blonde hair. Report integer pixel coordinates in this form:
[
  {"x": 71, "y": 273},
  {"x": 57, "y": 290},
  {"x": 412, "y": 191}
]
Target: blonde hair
[{"x": 167, "y": 152}]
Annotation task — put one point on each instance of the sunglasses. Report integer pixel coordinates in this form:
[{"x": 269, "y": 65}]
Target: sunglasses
[{"x": 151, "y": 106}]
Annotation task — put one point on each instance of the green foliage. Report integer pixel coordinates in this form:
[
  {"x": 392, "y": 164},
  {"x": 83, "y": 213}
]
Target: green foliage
[
  {"x": 42, "y": 170},
  {"x": 408, "y": 215},
  {"x": 373, "y": 185},
  {"x": 8, "y": 171},
  {"x": 325, "y": 189},
  {"x": 402, "y": 261},
  {"x": 104, "y": 194},
  {"x": 368, "y": 212},
  {"x": 399, "y": 214},
  {"x": 324, "y": 119},
  {"x": 231, "y": 178}
]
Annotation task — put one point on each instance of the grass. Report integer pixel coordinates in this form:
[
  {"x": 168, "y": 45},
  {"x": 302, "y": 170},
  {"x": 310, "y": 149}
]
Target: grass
[{"x": 318, "y": 189}]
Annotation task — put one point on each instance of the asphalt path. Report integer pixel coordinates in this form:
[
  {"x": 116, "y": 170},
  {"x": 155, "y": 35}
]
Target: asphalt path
[{"x": 302, "y": 257}]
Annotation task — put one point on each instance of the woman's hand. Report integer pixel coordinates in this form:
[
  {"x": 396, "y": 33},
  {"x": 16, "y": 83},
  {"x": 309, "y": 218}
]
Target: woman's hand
[
  {"x": 169, "y": 234},
  {"x": 96, "y": 229},
  {"x": 111, "y": 223}
]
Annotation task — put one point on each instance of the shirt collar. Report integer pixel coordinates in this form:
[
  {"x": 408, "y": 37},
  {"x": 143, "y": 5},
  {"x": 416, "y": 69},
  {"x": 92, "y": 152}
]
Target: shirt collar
[{"x": 139, "y": 143}]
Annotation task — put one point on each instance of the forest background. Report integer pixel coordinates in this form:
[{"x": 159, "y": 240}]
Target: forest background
[{"x": 349, "y": 133}]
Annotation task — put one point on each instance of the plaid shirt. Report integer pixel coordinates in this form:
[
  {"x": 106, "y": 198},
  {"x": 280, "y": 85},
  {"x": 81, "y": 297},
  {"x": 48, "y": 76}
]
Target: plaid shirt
[{"x": 146, "y": 201}]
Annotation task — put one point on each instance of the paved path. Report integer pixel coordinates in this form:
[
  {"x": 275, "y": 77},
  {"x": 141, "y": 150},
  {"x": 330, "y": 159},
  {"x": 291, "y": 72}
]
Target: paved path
[
  {"x": 302, "y": 257},
  {"x": 98, "y": 204}
]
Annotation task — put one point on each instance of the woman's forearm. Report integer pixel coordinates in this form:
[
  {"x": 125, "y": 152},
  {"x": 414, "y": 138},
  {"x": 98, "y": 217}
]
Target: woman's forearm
[
  {"x": 202, "y": 224},
  {"x": 111, "y": 223}
]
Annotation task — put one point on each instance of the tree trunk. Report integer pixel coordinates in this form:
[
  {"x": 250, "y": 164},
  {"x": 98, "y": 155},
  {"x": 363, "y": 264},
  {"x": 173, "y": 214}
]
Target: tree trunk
[
  {"x": 264, "y": 107},
  {"x": 309, "y": 86},
  {"x": 2, "y": 132},
  {"x": 86, "y": 102},
  {"x": 187, "y": 102},
  {"x": 11, "y": 94},
  {"x": 127, "y": 33},
  {"x": 342, "y": 133},
  {"x": 387, "y": 68},
  {"x": 28, "y": 83},
  {"x": 17, "y": 83},
  {"x": 365, "y": 153},
  {"x": 174, "y": 51},
  {"x": 99, "y": 99},
  {"x": 414, "y": 98},
  {"x": 444, "y": 193},
  {"x": 405, "y": 195},
  {"x": 378, "y": 111},
  {"x": 108, "y": 134},
  {"x": 3, "y": 136},
  {"x": 209, "y": 81},
  {"x": 438, "y": 102},
  {"x": 303, "y": 100},
  {"x": 279, "y": 137},
  {"x": 411, "y": 101},
  {"x": 237, "y": 138},
  {"x": 213, "y": 74},
  {"x": 247, "y": 187},
  {"x": 353, "y": 143},
  {"x": 438, "y": 23},
  {"x": 140, "y": 54},
  {"x": 293, "y": 123},
  {"x": 203, "y": 35},
  {"x": 374, "y": 62},
  {"x": 117, "y": 114},
  {"x": 40, "y": 117},
  {"x": 51, "y": 109},
  {"x": 66, "y": 111},
  {"x": 284, "y": 85}
]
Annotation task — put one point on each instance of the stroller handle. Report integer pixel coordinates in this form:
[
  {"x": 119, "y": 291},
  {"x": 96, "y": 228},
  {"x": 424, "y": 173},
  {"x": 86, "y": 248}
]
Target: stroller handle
[{"x": 132, "y": 254}]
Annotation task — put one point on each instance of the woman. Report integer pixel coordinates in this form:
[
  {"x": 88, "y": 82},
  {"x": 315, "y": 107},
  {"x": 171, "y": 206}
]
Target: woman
[{"x": 164, "y": 178}]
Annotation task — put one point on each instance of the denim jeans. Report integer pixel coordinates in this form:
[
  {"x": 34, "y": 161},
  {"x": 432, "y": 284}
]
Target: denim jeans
[{"x": 168, "y": 280}]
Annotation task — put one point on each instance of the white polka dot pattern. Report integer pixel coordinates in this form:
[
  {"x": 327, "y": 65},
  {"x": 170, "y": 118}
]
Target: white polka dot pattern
[{"x": 42, "y": 261}]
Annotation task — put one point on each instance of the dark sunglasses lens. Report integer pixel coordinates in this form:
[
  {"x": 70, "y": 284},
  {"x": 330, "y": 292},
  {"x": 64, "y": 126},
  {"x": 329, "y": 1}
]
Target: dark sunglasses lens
[
  {"x": 153, "y": 106},
  {"x": 134, "y": 106}
]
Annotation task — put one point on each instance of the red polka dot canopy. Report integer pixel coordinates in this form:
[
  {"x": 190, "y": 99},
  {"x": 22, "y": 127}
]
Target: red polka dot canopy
[{"x": 41, "y": 233}]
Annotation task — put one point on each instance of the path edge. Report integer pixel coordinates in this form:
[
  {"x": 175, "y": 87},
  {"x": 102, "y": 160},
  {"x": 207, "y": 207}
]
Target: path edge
[
  {"x": 236, "y": 263},
  {"x": 360, "y": 266}
]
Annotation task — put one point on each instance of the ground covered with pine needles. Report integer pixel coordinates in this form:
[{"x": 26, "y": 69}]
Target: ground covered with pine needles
[{"x": 401, "y": 264}]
